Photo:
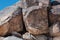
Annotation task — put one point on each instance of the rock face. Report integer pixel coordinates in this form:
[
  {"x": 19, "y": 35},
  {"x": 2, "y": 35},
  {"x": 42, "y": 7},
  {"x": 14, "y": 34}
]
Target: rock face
[
  {"x": 28, "y": 36},
  {"x": 55, "y": 14},
  {"x": 55, "y": 29},
  {"x": 11, "y": 20},
  {"x": 36, "y": 20},
  {"x": 12, "y": 38}
]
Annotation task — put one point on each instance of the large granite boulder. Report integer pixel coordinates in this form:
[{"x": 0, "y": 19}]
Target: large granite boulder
[
  {"x": 36, "y": 19},
  {"x": 10, "y": 20}
]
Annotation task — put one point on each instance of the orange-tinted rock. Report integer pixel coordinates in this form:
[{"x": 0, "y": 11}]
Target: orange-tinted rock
[
  {"x": 15, "y": 24},
  {"x": 4, "y": 29},
  {"x": 11, "y": 20},
  {"x": 36, "y": 20}
]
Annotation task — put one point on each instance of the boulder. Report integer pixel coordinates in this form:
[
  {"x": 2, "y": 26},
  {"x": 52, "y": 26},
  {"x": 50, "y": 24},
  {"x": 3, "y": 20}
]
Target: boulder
[
  {"x": 36, "y": 20},
  {"x": 11, "y": 20}
]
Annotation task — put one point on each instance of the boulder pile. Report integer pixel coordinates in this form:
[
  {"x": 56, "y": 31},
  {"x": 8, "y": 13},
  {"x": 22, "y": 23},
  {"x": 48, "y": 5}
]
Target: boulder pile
[{"x": 30, "y": 20}]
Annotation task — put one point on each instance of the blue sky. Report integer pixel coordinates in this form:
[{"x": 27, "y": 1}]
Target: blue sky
[{"x": 5, "y": 3}]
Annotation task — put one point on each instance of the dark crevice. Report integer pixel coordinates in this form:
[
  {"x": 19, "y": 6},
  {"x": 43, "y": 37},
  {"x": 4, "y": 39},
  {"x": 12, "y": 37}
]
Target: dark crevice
[{"x": 24, "y": 28}]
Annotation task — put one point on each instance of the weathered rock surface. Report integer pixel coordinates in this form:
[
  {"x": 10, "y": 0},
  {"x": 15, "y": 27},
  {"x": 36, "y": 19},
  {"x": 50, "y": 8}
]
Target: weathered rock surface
[
  {"x": 28, "y": 36},
  {"x": 11, "y": 20},
  {"x": 55, "y": 29},
  {"x": 36, "y": 20},
  {"x": 12, "y": 38}
]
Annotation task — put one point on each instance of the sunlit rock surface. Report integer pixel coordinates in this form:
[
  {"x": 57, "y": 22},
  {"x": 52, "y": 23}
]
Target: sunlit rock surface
[
  {"x": 10, "y": 20},
  {"x": 36, "y": 20}
]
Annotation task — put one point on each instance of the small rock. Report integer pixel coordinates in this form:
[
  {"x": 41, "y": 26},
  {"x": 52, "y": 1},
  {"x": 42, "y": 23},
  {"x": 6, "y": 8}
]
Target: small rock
[
  {"x": 36, "y": 20},
  {"x": 12, "y": 38},
  {"x": 55, "y": 29},
  {"x": 28, "y": 36}
]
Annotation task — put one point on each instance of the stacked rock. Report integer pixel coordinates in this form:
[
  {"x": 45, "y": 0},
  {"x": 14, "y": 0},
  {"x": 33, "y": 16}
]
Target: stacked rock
[
  {"x": 35, "y": 18},
  {"x": 10, "y": 20}
]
